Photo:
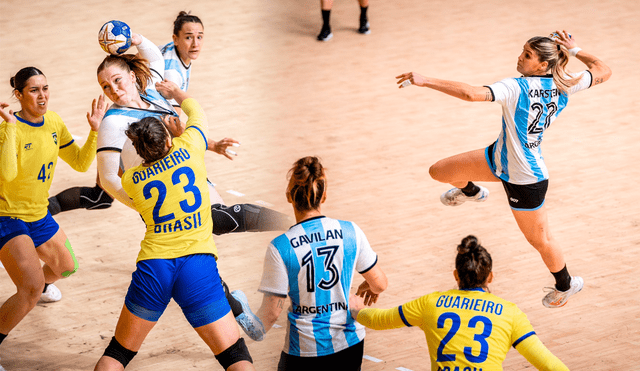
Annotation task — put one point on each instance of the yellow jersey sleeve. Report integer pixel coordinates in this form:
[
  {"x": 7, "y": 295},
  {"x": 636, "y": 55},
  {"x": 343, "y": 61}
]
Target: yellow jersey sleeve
[
  {"x": 539, "y": 356},
  {"x": 80, "y": 158},
  {"x": 8, "y": 152},
  {"x": 197, "y": 126}
]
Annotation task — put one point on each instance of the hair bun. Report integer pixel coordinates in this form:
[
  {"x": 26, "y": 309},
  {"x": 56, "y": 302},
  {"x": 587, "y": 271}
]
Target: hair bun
[
  {"x": 468, "y": 244},
  {"x": 183, "y": 14},
  {"x": 12, "y": 81}
]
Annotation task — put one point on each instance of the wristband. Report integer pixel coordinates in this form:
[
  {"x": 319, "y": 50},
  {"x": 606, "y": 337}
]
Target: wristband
[{"x": 573, "y": 51}]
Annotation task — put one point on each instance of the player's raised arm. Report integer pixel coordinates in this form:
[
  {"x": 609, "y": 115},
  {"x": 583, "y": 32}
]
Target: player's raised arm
[
  {"x": 454, "y": 88},
  {"x": 599, "y": 70}
]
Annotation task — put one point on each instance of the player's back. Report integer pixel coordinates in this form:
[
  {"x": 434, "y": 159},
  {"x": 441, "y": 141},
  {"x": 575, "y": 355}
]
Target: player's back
[{"x": 468, "y": 329}]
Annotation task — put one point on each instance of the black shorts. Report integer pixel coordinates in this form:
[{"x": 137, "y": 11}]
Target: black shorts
[
  {"x": 349, "y": 359},
  {"x": 526, "y": 196}
]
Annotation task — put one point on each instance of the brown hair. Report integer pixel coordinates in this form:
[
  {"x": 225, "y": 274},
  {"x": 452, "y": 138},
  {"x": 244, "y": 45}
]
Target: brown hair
[
  {"x": 184, "y": 17},
  {"x": 309, "y": 183},
  {"x": 148, "y": 137},
  {"x": 557, "y": 58},
  {"x": 473, "y": 263},
  {"x": 130, "y": 62}
]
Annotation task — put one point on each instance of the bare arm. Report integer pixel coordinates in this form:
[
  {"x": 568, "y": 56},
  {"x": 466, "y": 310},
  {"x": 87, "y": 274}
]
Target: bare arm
[
  {"x": 456, "y": 89},
  {"x": 374, "y": 284},
  {"x": 599, "y": 70},
  {"x": 270, "y": 310}
]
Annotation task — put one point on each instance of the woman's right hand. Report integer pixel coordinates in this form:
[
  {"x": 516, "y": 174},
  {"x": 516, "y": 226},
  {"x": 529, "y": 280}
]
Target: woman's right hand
[
  {"x": 365, "y": 292},
  {"x": 7, "y": 116},
  {"x": 412, "y": 77},
  {"x": 136, "y": 39}
]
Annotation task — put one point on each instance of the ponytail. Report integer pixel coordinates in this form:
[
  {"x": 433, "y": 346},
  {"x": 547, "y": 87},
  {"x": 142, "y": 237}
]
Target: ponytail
[
  {"x": 308, "y": 184},
  {"x": 473, "y": 263}
]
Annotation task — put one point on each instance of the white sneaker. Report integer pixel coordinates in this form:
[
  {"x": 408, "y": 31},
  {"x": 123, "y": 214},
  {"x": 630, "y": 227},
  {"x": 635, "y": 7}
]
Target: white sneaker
[
  {"x": 455, "y": 197},
  {"x": 249, "y": 322},
  {"x": 52, "y": 294},
  {"x": 556, "y": 299}
]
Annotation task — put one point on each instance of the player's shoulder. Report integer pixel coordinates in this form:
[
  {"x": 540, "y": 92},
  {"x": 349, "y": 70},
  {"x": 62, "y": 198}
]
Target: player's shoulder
[{"x": 166, "y": 48}]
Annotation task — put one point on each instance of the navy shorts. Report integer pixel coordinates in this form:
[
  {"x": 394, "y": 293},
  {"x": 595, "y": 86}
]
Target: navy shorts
[
  {"x": 39, "y": 231},
  {"x": 526, "y": 196},
  {"x": 192, "y": 281}
]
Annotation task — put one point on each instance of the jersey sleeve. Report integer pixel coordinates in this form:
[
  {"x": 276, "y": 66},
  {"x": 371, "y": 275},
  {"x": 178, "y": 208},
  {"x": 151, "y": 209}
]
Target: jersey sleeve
[
  {"x": 8, "y": 151},
  {"x": 583, "y": 84},
  {"x": 539, "y": 356},
  {"x": 196, "y": 127},
  {"x": 504, "y": 91},
  {"x": 408, "y": 314},
  {"x": 111, "y": 136},
  {"x": 367, "y": 258},
  {"x": 521, "y": 327},
  {"x": 80, "y": 158},
  {"x": 152, "y": 54},
  {"x": 274, "y": 274}
]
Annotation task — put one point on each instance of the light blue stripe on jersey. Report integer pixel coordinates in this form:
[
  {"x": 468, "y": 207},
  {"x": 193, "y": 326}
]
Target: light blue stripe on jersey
[
  {"x": 321, "y": 331},
  {"x": 350, "y": 245},
  {"x": 134, "y": 113},
  {"x": 293, "y": 268},
  {"x": 504, "y": 158},
  {"x": 522, "y": 122}
]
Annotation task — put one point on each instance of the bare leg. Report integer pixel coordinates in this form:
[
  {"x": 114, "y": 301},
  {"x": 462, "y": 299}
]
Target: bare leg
[
  {"x": 363, "y": 3},
  {"x": 21, "y": 261},
  {"x": 130, "y": 333},
  {"x": 327, "y": 4},
  {"x": 460, "y": 169},
  {"x": 56, "y": 256},
  {"x": 535, "y": 227},
  {"x": 220, "y": 335}
]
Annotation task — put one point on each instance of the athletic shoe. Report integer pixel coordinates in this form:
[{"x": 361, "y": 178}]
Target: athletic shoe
[
  {"x": 325, "y": 34},
  {"x": 52, "y": 294},
  {"x": 455, "y": 197},
  {"x": 556, "y": 299},
  {"x": 364, "y": 27},
  {"x": 249, "y": 322}
]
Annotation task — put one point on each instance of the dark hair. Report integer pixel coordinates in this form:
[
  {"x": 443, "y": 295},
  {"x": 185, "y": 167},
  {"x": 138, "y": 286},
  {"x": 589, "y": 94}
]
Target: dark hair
[
  {"x": 309, "y": 183},
  {"x": 473, "y": 263},
  {"x": 184, "y": 17},
  {"x": 148, "y": 137},
  {"x": 19, "y": 81},
  {"x": 557, "y": 58},
  {"x": 130, "y": 62}
]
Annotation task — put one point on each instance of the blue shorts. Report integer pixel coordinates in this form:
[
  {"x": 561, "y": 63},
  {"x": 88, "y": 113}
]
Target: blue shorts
[
  {"x": 39, "y": 231},
  {"x": 192, "y": 281}
]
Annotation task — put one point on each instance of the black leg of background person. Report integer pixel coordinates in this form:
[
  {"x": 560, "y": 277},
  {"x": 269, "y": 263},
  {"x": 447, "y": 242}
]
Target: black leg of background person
[
  {"x": 90, "y": 198},
  {"x": 247, "y": 218}
]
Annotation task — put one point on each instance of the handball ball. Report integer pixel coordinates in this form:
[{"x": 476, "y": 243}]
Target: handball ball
[{"x": 115, "y": 37}]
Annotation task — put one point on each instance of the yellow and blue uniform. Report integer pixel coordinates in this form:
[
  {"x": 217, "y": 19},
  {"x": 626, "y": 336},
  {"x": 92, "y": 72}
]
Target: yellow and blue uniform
[
  {"x": 29, "y": 156},
  {"x": 466, "y": 330},
  {"x": 177, "y": 256}
]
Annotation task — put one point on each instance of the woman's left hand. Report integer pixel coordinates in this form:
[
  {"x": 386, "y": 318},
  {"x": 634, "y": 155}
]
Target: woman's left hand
[
  {"x": 167, "y": 89},
  {"x": 564, "y": 38},
  {"x": 98, "y": 109},
  {"x": 412, "y": 77},
  {"x": 222, "y": 147},
  {"x": 7, "y": 116}
]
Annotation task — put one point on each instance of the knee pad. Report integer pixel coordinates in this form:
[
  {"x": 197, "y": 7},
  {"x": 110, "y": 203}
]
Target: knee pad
[
  {"x": 66, "y": 274},
  {"x": 246, "y": 218},
  {"x": 94, "y": 198},
  {"x": 119, "y": 353},
  {"x": 235, "y": 353}
]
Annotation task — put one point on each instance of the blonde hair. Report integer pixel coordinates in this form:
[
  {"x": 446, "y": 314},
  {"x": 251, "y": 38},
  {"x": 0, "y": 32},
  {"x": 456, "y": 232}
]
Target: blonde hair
[{"x": 557, "y": 59}]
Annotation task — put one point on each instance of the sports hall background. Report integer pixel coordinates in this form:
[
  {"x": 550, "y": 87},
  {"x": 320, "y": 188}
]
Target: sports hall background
[{"x": 263, "y": 79}]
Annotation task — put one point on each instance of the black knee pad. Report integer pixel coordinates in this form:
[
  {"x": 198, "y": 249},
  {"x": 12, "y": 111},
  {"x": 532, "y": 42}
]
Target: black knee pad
[
  {"x": 119, "y": 353},
  {"x": 94, "y": 198},
  {"x": 247, "y": 218},
  {"x": 234, "y": 354}
]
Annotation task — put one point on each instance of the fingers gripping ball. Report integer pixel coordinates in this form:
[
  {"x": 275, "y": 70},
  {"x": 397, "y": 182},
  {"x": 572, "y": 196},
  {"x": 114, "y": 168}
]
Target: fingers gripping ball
[{"x": 115, "y": 37}]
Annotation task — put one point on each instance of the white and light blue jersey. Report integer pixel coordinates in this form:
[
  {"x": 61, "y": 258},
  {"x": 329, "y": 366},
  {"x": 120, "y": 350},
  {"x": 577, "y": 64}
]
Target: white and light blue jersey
[
  {"x": 529, "y": 106},
  {"x": 174, "y": 69},
  {"x": 314, "y": 263}
]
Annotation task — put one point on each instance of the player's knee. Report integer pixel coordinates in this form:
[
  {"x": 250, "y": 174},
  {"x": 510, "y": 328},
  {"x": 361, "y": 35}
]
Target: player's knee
[
  {"x": 236, "y": 353},
  {"x": 94, "y": 198},
  {"x": 226, "y": 219},
  {"x": 71, "y": 270},
  {"x": 436, "y": 173},
  {"x": 119, "y": 353}
]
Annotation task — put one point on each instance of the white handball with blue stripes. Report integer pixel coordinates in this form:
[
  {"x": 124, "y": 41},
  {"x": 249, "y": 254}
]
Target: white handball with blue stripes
[{"x": 115, "y": 37}]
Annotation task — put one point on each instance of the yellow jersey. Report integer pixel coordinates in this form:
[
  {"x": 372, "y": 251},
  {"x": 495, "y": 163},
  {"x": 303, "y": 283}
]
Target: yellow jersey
[
  {"x": 468, "y": 330},
  {"x": 172, "y": 195},
  {"x": 24, "y": 193}
]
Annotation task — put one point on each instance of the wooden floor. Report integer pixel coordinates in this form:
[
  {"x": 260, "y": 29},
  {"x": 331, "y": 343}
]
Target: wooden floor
[{"x": 264, "y": 80}]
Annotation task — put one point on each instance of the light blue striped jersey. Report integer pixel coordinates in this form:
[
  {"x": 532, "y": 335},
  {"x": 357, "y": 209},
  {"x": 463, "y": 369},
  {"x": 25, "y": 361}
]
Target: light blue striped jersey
[
  {"x": 529, "y": 106},
  {"x": 314, "y": 263},
  {"x": 174, "y": 69}
]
